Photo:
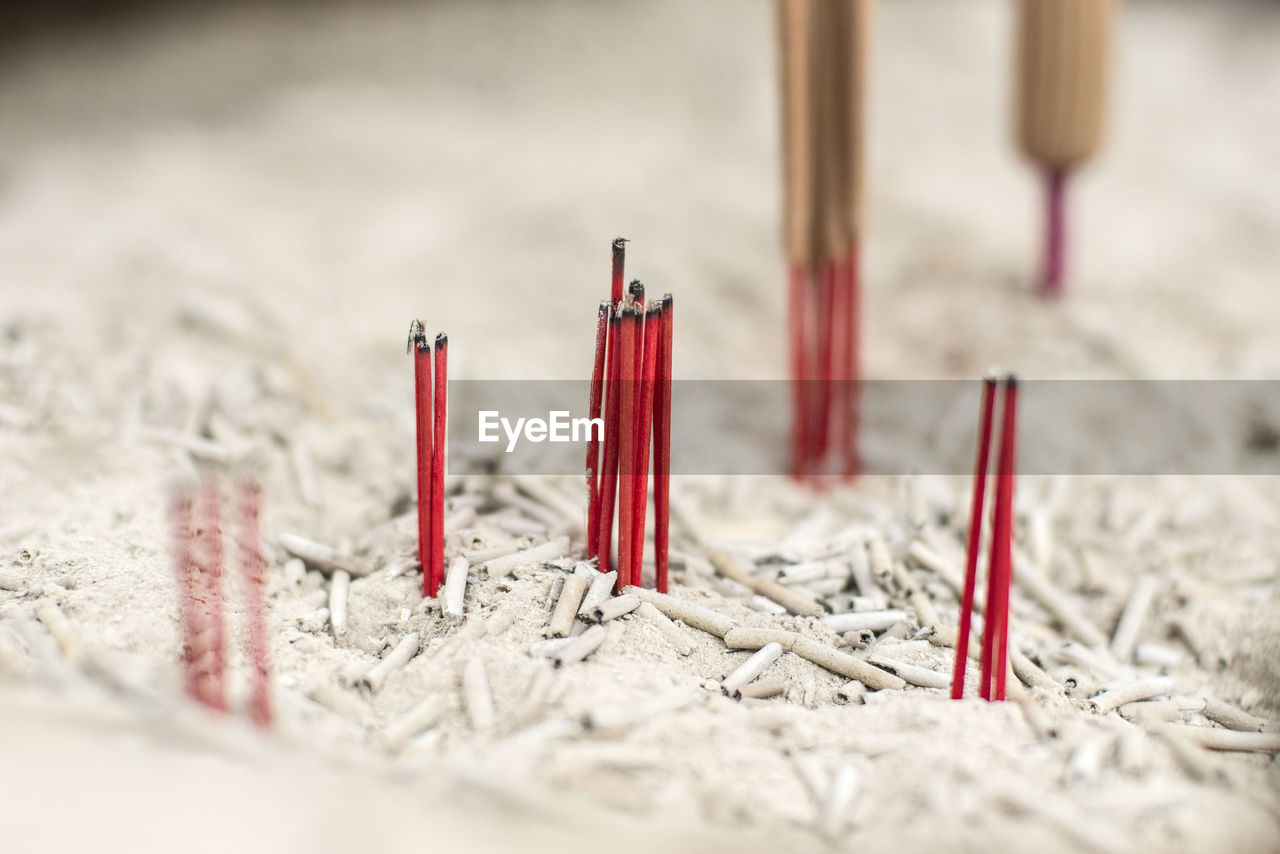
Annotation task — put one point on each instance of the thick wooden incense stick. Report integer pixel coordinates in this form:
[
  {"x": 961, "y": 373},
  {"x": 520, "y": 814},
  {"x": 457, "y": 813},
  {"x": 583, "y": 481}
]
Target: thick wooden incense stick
[
  {"x": 662, "y": 447},
  {"x": 823, "y": 49},
  {"x": 795, "y": 20},
  {"x": 975, "y": 536},
  {"x": 593, "y": 412},
  {"x": 422, "y": 388},
  {"x": 440, "y": 422},
  {"x": 1063, "y": 53}
]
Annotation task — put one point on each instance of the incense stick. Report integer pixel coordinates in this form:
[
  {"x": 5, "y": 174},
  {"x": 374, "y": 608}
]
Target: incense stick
[
  {"x": 593, "y": 443},
  {"x": 645, "y": 414},
  {"x": 629, "y": 333},
  {"x": 995, "y": 638},
  {"x": 975, "y": 531},
  {"x": 421, "y": 350},
  {"x": 823, "y": 49},
  {"x": 1061, "y": 101},
  {"x": 662, "y": 448},
  {"x": 440, "y": 421},
  {"x": 612, "y": 441}
]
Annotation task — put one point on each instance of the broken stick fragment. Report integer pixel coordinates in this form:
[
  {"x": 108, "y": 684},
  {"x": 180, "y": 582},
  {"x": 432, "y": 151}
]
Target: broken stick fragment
[
  {"x": 1141, "y": 689},
  {"x": 338, "y": 591},
  {"x": 324, "y": 558},
  {"x": 694, "y": 616},
  {"x": 396, "y": 659},
  {"x": 920, "y": 676},
  {"x": 455, "y": 587},
  {"x": 794, "y": 601},
  {"x": 817, "y": 653},
  {"x": 571, "y": 593},
  {"x": 751, "y": 668},
  {"x": 507, "y": 564},
  {"x": 616, "y": 607},
  {"x": 671, "y": 633},
  {"x": 580, "y": 647},
  {"x": 423, "y": 715}
]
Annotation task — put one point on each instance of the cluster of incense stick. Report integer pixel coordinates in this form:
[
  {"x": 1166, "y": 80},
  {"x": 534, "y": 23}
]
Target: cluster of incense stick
[
  {"x": 995, "y": 633},
  {"x": 823, "y": 49},
  {"x": 631, "y": 393},
  {"x": 431, "y": 397},
  {"x": 198, "y": 564},
  {"x": 1062, "y": 80}
]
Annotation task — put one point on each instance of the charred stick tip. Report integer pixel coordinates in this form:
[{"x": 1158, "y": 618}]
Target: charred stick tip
[{"x": 417, "y": 336}]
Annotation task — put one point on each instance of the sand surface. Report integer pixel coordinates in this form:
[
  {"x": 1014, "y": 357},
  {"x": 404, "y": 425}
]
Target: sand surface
[{"x": 214, "y": 229}]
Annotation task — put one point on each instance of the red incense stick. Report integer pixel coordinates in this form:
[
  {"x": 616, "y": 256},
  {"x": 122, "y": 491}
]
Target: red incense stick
[
  {"x": 252, "y": 570},
  {"x": 421, "y": 349},
  {"x": 644, "y": 425},
  {"x": 593, "y": 443},
  {"x": 1055, "y": 238},
  {"x": 213, "y": 662},
  {"x": 612, "y": 415},
  {"x": 629, "y": 332},
  {"x": 999, "y": 574},
  {"x": 975, "y": 535},
  {"x": 439, "y": 422},
  {"x": 1004, "y": 507},
  {"x": 662, "y": 446}
]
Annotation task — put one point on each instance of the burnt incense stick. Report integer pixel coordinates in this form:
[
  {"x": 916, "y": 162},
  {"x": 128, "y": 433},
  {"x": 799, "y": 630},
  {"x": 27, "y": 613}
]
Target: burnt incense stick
[
  {"x": 420, "y": 347},
  {"x": 252, "y": 571},
  {"x": 440, "y": 422},
  {"x": 644, "y": 430},
  {"x": 619, "y": 265},
  {"x": 662, "y": 447},
  {"x": 975, "y": 536},
  {"x": 612, "y": 448},
  {"x": 629, "y": 332},
  {"x": 593, "y": 412}
]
